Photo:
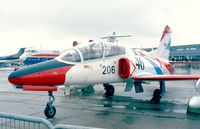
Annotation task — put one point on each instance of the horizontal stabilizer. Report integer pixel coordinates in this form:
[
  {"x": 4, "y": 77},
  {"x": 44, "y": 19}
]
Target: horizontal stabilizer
[{"x": 39, "y": 88}]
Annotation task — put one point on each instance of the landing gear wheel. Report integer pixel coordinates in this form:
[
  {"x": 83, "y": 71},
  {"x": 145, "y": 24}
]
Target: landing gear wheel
[
  {"x": 110, "y": 90},
  {"x": 50, "y": 111},
  {"x": 156, "y": 97}
]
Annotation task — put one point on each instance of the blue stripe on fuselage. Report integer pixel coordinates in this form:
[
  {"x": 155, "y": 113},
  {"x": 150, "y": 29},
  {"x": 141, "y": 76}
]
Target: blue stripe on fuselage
[
  {"x": 51, "y": 64},
  {"x": 35, "y": 60},
  {"x": 156, "y": 67}
]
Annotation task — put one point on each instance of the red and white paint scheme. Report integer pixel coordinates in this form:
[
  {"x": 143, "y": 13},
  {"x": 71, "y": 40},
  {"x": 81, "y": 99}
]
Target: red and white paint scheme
[
  {"x": 33, "y": 55},
  {"x": 101, "y": 63}
]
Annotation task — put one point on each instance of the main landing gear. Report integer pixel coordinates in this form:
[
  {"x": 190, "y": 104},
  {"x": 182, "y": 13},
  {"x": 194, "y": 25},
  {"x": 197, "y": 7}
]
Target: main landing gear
[
  {"x": 109, "y": 90},
  {"x": 156, "y": 96},
  {"x": 50, "y": 110},
  {"x": 158, "y": 93}
]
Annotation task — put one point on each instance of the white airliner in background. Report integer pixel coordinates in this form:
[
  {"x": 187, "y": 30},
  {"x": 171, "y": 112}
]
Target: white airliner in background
[
  {"x": 101, "y": 63},
  {"x": 29, "y": 56},
  {"x": 34, "y": 56}
]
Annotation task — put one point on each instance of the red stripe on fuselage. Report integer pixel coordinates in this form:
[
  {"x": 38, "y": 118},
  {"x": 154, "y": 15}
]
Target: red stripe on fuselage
[
  {"x": 167, "y": 65},
  {"x": 53, "y": 55},
  {"x": 50, "y": 77}
]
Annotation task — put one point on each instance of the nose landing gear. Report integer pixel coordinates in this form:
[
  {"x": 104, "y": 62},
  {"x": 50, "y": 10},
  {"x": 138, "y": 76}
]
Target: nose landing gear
[{"x": 50, "y": 110}]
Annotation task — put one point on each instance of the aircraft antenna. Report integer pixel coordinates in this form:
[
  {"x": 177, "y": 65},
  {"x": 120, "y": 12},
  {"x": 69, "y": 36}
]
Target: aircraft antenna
[{"x": 112, "y": 38}]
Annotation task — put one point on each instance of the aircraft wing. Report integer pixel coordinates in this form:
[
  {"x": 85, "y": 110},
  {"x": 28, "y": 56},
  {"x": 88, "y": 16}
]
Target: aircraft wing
[{"x": 167, "y": 77}]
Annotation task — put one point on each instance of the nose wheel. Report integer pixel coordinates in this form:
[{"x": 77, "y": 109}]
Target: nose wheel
[
  {"x": 50, "y": 110},
  {"x": 109, "y": 90}
]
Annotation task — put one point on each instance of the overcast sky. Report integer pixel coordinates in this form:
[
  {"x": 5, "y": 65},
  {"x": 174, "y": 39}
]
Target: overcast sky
[{"x": 55, "y": 24}]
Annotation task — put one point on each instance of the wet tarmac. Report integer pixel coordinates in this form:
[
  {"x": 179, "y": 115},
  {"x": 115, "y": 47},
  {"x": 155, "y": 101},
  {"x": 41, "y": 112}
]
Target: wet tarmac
[{"x": 122, "y": 111}]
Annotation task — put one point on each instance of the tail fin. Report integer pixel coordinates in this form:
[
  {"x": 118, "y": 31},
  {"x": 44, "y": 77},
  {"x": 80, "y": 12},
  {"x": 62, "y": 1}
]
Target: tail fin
[
  {"x": 14, "y": 56},
  {"x": 165, "y": 42},
  {"x": 20, "y": 52}
]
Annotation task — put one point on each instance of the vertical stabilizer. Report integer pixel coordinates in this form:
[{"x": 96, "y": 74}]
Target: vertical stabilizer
[
  {"x": 164, "y": 46},
  {"x": 14, "y": 56},
  {"x": 21, "y": 51}
]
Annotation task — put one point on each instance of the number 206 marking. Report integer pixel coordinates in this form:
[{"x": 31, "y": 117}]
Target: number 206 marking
[{"x": 108, "y": 70}]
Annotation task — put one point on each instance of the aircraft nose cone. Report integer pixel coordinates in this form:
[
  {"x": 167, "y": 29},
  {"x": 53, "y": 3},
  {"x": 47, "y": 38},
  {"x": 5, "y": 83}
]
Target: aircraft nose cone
[
  {"x": 15, "y": 77},
  {"x": 10, "y": 78},
  {"x": 49, "y": 73}
]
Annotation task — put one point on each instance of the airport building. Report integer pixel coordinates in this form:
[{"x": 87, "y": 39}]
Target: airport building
[
  {"x": 184, "y": 56},
  {"x": 183, "y": 52}
]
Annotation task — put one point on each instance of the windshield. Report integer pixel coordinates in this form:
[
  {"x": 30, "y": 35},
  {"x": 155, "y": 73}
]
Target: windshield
[
  {"x": 30, "y": 51},
  {"x": 92, "y": 51},
  {"x": 71, "y": 56}
]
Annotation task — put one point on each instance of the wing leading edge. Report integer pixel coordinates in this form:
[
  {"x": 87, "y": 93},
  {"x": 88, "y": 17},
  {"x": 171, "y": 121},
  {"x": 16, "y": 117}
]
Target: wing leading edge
[{"x": 167, "y": 77}]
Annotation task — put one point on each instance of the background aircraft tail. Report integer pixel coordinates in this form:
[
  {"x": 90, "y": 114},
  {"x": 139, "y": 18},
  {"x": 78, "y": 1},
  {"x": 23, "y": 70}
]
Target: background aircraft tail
[
  {"x": 164, "y": 46},
  {"x": 14, "y": 56},
  {"x": 20, "y": 52}
]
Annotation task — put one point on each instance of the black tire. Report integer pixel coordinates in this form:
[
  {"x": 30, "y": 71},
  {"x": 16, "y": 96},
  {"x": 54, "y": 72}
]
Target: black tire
[
  {"x": 50, "y": 112},
  {"x": 156, "y": 93},
  {"x": 156, "y": 96},
  {"x": 110, "y": 90}
]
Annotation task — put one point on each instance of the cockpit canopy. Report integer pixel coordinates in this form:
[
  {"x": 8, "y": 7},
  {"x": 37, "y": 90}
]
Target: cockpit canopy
[
  {"x": 71, "y": 56},
  {"x": 91, "y": 51}
]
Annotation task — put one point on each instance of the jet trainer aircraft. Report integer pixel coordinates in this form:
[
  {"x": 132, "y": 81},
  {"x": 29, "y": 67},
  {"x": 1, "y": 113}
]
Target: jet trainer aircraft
[{"x": 101, "y": 63}]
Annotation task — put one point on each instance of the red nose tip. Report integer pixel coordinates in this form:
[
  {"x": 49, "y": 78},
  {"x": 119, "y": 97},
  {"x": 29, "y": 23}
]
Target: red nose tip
[{"x": 15, "y": 81}]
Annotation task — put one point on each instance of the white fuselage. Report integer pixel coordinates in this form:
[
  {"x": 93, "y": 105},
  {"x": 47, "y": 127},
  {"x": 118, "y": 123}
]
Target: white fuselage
[{"x": 105, "y": 69}]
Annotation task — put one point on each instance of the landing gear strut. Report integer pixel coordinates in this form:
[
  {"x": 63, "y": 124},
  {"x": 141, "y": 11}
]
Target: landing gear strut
[
  {"x": 156, "y": 96},
  {"x": 50, "y": 110},
  {"x": 109, "y": 90}
]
